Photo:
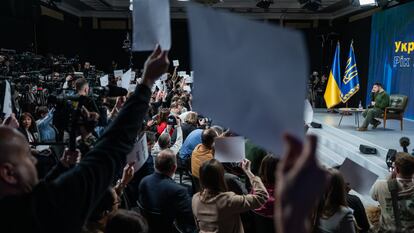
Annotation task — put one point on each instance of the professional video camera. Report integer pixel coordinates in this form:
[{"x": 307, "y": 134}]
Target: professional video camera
[{"x": 68, "y": 115}]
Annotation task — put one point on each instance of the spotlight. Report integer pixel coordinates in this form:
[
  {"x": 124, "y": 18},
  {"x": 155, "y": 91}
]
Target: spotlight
[
  {"x": 265, "y": 4},
  {"x": 312, "y": 5},
  {"x": 367, "y": 2}
]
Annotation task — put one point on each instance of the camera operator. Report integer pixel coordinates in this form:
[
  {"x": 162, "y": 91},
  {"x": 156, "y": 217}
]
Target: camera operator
[
  {"x": 82, "y": 89},
  {"x": 64, "y": 204},
  {"x": 320, "y": 88},
  {"x": 164, "y": 141}
]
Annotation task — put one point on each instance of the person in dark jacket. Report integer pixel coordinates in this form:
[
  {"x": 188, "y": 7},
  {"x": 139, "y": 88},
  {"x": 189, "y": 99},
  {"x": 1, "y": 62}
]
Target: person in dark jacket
[
  {"x": 64, "y": 204},
  {"x": 159, "y": 193}
]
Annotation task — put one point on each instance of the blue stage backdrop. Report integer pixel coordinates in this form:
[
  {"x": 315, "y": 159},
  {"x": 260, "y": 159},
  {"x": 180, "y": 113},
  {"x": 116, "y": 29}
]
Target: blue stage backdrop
[{"x": 391, "y": 60}]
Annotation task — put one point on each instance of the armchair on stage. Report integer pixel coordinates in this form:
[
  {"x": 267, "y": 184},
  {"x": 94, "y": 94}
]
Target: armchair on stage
[{"x": 398, "y": 104}]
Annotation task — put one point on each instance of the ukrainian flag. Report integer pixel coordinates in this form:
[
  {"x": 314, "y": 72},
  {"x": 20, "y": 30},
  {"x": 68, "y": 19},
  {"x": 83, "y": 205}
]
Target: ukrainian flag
[
  {"x": 350, "y": 81},
  {"x": 332, "y": 94}
]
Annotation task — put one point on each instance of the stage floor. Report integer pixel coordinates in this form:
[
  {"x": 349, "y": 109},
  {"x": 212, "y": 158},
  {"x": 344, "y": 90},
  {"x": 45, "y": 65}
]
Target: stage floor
[
  {"x": 336, "y": 143},
  {"x": 387, "y": 138}
]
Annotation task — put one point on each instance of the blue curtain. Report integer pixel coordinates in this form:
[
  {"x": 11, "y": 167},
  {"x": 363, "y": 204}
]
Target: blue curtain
[{"x": 390, "y": 64}]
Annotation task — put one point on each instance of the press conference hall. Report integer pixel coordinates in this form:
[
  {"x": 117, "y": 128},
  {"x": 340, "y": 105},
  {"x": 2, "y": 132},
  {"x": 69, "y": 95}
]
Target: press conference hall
[{"x": 224, "y": 116}]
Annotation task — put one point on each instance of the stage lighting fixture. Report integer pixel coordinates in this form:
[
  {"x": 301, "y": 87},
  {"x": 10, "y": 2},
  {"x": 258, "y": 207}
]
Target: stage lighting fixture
[
  {"x": 312, "y": 5},
  {"x": 209, "y": 2},
  {"x": 265, "y": 4},
  {"x": 367, "y": 2}
]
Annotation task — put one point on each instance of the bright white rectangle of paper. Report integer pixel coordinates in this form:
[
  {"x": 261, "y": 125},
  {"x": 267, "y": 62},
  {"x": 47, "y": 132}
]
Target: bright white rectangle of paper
[
  {"x": 182, "y": 73},
  {"x": 308, "y": 114},
  {"x": 133, "y": 75},
  {"x": 126, "y": 79},
  {"x": 359, "y": 178},
  {"x": 159, "y": 84},
  {"x": 42, "y": 147},
  {"x": 258, "y": 73},
  {"x": 176, "y": 63},
  {"x": 104, "y": 81},
  {"x": 118, "y": 73},
  {"x": 132, "y": 87},
  {"x": 187, "y": 89},
  {"x": 229, "y": 149},
  {"x": 164, "y": 77},
  {"x": 139, "y": 153},
  {"x": 151, "y": 19},
  {"x": 7, "y": 102}
]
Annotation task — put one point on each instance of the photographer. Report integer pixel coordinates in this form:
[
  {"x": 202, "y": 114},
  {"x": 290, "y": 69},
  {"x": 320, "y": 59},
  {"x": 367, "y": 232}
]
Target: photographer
[
  {"x": 64, "y": 204},
  {"x": 164, "y": 141},
  {"x": 82, "y": 89}
]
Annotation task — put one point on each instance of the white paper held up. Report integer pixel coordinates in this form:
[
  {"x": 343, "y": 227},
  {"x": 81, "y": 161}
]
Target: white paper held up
[
  {"x": 139, "y": 153},
  {"x": 257, "y": 72},
  {"x": 118, "y": 73},
  {"x": 229, "y": 149},
  {"x": 308, "y": 114},
  {"x": 104, "y": 81},
  {"x": 126, "y": 79},
  {"x": 151, "y": 19},
  {"x": 164, "y": 77},
  {"x": 176, "y": 63},
  {"x": 359, "y": 178},
  {"x": 7, "y": 101}
]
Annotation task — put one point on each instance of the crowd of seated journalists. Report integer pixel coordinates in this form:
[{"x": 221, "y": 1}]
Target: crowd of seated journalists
[{"x": 181, "y": 187}]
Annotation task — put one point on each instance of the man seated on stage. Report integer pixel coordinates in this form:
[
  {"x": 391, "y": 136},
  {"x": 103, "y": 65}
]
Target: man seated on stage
[{"x": 380, "y": 101}]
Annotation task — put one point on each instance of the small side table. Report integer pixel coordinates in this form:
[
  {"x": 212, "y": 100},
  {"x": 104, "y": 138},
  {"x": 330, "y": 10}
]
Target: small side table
[{"x": 355, "y": 111}]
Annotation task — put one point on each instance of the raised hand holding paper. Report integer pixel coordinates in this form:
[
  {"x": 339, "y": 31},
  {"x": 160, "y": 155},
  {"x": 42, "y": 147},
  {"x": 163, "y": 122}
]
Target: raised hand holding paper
[
  {"x": 257, "y": 72},
  {"x": 126, "y": 79},
  {"x": 118, "y": 73},
  {"x": 139, "y": 154},
  {"x": 104, "y": 81},
  {"x": 229, "y": 149},
  {"x": 359, "y": 178},
  {"x": 164, "y": 77},
  {"x": 176, "y": 63},
  {"x": 151, "y": 20}
]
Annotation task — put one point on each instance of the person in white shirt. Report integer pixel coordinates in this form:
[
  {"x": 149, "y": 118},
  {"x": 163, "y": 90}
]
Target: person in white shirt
[{"x": 164, "y": 141}]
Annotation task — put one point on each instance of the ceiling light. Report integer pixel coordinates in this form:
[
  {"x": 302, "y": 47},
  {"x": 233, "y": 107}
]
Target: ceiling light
[{"x": 367, "y": 2}]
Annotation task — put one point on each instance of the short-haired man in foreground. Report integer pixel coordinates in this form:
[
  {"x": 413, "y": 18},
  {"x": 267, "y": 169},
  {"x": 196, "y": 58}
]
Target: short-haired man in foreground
[
  {"x": 380, "y": 101},
  {"x": 63, "y": 205},
  {"x": 403, "y": 181},
  {"x": 159, "y": 193}
]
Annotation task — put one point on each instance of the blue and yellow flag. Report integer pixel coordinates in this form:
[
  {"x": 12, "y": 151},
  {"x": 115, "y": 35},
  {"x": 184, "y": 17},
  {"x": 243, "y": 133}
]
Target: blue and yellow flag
[
  {"x": 332, "y": 94},
  {"x": 350, "y": 81}
]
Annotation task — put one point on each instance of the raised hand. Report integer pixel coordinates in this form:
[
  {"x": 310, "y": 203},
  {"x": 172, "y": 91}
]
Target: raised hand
[
  {"x": 128, "y": 173},
  {"x": 156, "y": 65},
  {"x": 300, "y": 184},
  {"x": 70, "y": 158}
]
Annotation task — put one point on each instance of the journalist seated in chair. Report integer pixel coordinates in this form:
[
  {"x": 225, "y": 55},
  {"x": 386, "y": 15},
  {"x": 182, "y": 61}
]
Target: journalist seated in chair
[
  {"x": 163, "y": 202},
  {"x": 380, "y": 101}
]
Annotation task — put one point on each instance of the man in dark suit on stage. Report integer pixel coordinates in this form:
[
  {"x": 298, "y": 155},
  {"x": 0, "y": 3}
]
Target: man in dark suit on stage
[{"x": 380, "y": 101}]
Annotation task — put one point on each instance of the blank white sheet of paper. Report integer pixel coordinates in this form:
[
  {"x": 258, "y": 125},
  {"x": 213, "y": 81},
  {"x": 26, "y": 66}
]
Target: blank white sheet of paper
[
  {"x": 229, "y": 149},
  {"x": 251, "y": 76},
  {"x": 359, "y": 178},
  {"x": 151, "y": 19}
]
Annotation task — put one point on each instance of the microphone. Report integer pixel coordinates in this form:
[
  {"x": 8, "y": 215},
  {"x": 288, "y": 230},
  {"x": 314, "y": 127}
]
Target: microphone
[{"x": 404, "y": 143}]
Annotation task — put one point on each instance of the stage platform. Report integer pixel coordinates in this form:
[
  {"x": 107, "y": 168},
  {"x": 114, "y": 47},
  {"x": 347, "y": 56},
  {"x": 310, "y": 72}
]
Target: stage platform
[{"x": 340, "y": 142}]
